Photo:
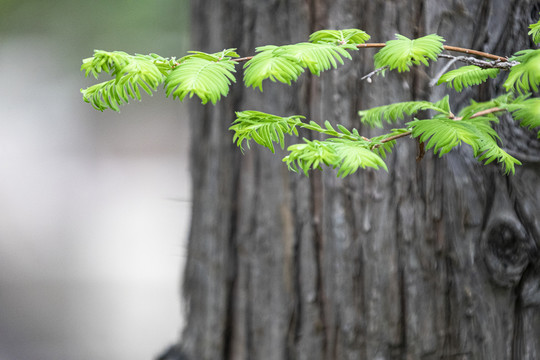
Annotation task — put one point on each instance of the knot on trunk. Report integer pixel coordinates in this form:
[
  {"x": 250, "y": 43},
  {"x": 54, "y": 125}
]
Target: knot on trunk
[{"x": 507, "y": 250}]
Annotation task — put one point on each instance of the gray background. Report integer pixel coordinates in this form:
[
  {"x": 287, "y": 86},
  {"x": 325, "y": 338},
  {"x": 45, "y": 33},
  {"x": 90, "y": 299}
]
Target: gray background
[{"x": 94, "y": 206}]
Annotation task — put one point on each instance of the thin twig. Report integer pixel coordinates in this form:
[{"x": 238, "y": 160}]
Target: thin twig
[
  {"x": 368, "y": 77},
  {"x": 474, "y": 52},
  {"x": 397, "y": 136},
  {"x": 446, "y": 47},
  {"x": 482, "y": 113},
  {"x": 495, "y": 64},
  {"x": 434, "y": 81}
]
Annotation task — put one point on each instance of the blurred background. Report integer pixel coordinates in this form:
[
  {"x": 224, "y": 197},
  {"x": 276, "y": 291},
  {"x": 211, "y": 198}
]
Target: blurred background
[{"x": 94, "y": 207}]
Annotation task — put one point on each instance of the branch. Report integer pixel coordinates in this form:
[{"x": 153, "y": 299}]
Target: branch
[
  {"x": 498, "y": 58},
  {"x": 448, "y": 48},
  {"x": 482, "y": 113},
  {"x": 497, "y": 64},
  {"x": 398, "y": 136},
  {"x": 368, "y": 77},
  {"x": 475, "y": 52}
]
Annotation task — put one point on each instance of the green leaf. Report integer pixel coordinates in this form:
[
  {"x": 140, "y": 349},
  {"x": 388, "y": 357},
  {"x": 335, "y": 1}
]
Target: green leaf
[
  {"x": 131, "y": 73},
  {"x": 201, "y": 75},
  {"x": 268, "y": 64},
  {"x": 402, "y": 53},
  {"x": 535, "y": 32},
  {"x": 526, "y": 75},
  {"x": 263, "y": 128},
  {"x": 394, "y": 112},
  {"x": 528, "y": 113},
  {"x": 443, "y": 134},
  {"x": 330, "y": 131},
  {"x": 317, "y": 57},
  {"x": 347, "y": 155},
  {"x": 466, "y": 76},
  {"x": 489, "y": 151},
  {"x": 339, "y": 37},
  {"x": 311, "y": 155},
  {"x": 286, "y": 63},
  {"x": 226, "y": 54},
  {"x": 354, "y": 155}
]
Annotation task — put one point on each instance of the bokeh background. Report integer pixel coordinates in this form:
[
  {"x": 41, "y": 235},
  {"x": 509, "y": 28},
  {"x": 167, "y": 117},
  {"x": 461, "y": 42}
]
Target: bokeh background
[{"x": 94, "y": 207}]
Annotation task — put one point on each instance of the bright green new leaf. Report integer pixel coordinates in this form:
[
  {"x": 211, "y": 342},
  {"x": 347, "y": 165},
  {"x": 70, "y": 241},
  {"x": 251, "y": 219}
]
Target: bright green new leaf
[
  {"x": 354, "y": 155},
  {"x": 202, "y": 76},
  {"x": 466, "y": 76},
  {"x": 394, "y": 112},
  {"x": 535, "y": 32},
  {"x": 339, "y": 37},
  {"x": 317, "y": 57},
  {"x": 347, "y": 155},
  {"x": 131, "y": 73},
  {"x": 286, "y": 63},
  {"x": 330, "y": 131},
  {"x": 443, "y": 134},
  {"x": 402, "y": 53},
  {"x": 527, "y": 112},
  {"x": 268, "y": 64},
  {"x": 311, "y": 155},
  {"x": 263, "y": 128},
  {"x": 526, "y": 75}
]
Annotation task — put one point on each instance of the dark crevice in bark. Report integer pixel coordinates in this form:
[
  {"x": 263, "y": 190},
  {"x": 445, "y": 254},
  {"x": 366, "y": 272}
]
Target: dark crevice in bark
[
  {"x": 448, "y": 346},
  {"x": 248, "y": 316},
  {"x": 316, "y": 191},
  {"x": 517, "y": 336},
  {"x": 403, "y": 309},
  {"x": 480, "y": 25},
  {"x": 295, "y": 321}
]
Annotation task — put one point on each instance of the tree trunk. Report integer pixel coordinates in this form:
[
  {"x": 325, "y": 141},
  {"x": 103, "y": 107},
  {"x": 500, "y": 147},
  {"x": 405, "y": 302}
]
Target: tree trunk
[{"x": 436, "y": 259}]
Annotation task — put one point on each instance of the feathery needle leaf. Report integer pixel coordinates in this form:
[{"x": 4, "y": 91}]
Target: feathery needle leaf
[
  {"x": 403, "y": 52},
  {"x": 466, "y": 76}
]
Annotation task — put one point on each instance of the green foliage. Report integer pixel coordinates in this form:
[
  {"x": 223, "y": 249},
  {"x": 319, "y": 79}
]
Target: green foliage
[
  {"x": 466, "y": 76},
  {"x": 339, "y": 37},
  {"x": 535, "y": 32},
  {"x": 264, "y": 129},
  {"x": 394, "y": 112},
  {"x": 130, "y": 72},
  {"x": 402, "y": 53},
  {"x": 443, "y": 134},
  {"x": 209, "y": 77},
  {"x": 524, "y": 76},
  {"x": 527, "y": 112},
  {"x": 286, "y": 63},
  {"x": 330, "y": 131},
  {"x": 206, "y": 75},
  {"x": 344, "y": 154}
]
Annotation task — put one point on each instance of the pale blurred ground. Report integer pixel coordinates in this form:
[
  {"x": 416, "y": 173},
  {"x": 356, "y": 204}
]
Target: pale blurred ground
[{"x": 94, "y": 207}]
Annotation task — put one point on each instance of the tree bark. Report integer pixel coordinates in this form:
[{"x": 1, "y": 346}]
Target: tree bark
[{"x": 436, "y": 259}]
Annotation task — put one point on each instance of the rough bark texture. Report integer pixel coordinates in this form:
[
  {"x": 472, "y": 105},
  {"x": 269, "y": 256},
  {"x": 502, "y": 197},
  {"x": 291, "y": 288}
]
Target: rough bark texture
[{"x": 436, "y": 259}]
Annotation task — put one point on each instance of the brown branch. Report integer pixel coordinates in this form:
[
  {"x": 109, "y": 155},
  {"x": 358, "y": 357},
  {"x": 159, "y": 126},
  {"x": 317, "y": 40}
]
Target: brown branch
[
  {"x": 475, "y": 52},
  {"x": 446, "y": 47},
  {"x": 394, "y": 137},
  {"x": 481, "y": 113}
]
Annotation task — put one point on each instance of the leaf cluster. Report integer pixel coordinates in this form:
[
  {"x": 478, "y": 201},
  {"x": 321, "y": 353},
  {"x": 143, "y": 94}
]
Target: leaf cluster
[
  {"x": 209, "y": 77},
  {"x": 344, "y": 149}
]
